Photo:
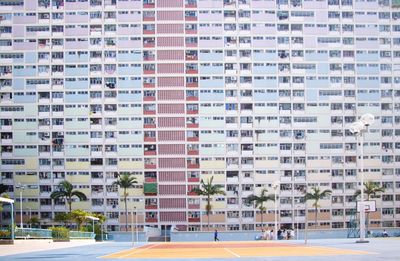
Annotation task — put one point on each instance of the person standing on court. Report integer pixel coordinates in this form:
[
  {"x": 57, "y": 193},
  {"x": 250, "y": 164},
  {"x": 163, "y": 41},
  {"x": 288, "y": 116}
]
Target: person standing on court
[{"x": 216, "y": 236}]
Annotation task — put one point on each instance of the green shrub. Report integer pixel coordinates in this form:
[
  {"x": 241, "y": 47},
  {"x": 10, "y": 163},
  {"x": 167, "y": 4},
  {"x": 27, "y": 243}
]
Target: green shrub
[
  {"x": 4, "y": 234},
  {"x": 60, "y": 233}
]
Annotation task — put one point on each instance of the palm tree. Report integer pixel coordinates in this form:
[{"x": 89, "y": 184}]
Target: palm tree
[
  {"x": 260, "y": 200},
  {"x": 316, "y": 194},
  {"x": 371, "y": 189},
  {"x": 125, "y": 181},
  {"x": 66, "y": 190},
  {"x": 208, "y": 189}
]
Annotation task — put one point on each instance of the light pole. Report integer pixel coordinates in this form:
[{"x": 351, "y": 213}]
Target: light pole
[
  {"x": 11, "y": 202},
  {"x": 21, "y": 188},
  {"x": 306, "y": 217},
  {"x": 275, "y": 186},
  {"x": 133, "y": 238},
  {"x": 297, "y": 222},
  {"x": 358, "y": 128},
  {"x": 136, "y": 226}
]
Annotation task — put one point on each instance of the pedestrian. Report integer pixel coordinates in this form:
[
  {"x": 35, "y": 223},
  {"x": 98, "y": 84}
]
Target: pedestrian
[
  {"x": 271, "y": 235},
  {"x": 279, "y": 237},
  {"x": 266, "y": 234},
  {"x": 288, "y": 234},
  {"x": 216, "y": 236},
  {"x": 385, "y": 234},
  {"x": 292, "y": 233}
]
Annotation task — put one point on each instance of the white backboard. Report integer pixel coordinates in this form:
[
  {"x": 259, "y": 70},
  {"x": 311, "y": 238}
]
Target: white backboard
[{"x": 369, "y": 206}]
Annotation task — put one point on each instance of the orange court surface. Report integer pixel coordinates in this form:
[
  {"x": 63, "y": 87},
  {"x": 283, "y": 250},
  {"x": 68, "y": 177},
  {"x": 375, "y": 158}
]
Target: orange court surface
[{"x": 229, "y": 250}]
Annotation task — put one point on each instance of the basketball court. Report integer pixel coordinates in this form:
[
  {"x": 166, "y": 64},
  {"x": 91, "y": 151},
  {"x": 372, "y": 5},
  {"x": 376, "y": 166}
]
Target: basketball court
[{"x": 229, "y": 250}]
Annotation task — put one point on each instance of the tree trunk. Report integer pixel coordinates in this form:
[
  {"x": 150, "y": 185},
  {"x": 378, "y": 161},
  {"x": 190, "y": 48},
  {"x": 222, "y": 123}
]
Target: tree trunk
[
  {"x": 70, "y": 204},
  {"x": 208, "y": 213},
  {"x": 262, "y": 220},
  {"x": 126, "y": 211},
  {"x": 316, "y": 217}
]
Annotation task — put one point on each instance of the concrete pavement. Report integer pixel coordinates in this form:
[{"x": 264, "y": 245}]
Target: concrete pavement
[{"x": 378, "y": 249}]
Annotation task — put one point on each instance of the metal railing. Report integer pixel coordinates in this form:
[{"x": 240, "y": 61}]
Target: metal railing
[
  {"x": 33, "y": 233},
  {"x": 81, "y": 235},
  {"x": 37, "y": 233}
]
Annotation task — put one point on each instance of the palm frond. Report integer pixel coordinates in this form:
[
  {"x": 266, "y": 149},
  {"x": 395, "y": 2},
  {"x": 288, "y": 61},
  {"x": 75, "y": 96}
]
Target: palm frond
[
  {"x": 371, "y": 190},
  {"x": 125, "y": 181},
  {"x": 57, "y": 194},
  {"x": 79, "y": 195}
]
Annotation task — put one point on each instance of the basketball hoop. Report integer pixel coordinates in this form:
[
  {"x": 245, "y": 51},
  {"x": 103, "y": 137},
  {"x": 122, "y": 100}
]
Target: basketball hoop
[{"x": 369, "y": 206}]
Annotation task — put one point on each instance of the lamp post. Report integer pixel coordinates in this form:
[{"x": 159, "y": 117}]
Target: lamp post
[
  {"x": 21, "y": 188},
  {"x": 297, "y": 221},
  {"x": 358, "y": 128},
  {"x": 11, "y": 202},
  {"x": 136, "y": 226},
  {"x": 275, "y": 186},
  {"x": 306, "y": 217},
  {"x": 133, "y": 238}
]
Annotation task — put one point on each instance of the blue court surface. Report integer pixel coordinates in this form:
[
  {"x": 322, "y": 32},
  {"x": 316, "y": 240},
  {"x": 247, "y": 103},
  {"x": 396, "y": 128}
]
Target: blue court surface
[{"x": 325, "y": 249}]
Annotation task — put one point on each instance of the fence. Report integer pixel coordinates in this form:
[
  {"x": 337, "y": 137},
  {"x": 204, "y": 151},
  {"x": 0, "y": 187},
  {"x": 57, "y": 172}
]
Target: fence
[
  {"x": 81, "y": 235},
  {"x": 36, "y": 233},
  {"x": 5, "y": 234}
]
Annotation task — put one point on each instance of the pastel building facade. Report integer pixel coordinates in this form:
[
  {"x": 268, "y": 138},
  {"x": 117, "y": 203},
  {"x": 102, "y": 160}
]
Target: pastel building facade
[{"x": 249, "y": 92}]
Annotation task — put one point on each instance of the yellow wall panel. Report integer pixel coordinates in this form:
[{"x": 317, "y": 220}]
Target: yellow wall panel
[
  {"x": 85, "y": 205},
  {"x": 26, "y": 206},
  {"x": 77, "y": 165},
  {"x": 129, "y": 165},
  {"x": 31, "y": 164},
  {"x": 213, "y": 164},
  {"x": 78, "y": 178},
  {"x": 217, "y": 178},
  {"x": 26, "y": 179},
  {"x": 131, "y": 192},
  {"x": 266, "y": 163}
]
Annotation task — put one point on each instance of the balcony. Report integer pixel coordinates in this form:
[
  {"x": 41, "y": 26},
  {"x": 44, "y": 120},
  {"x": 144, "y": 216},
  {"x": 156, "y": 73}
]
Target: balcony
[
  {"x": 151, "y": 220},
  {"x": 193, "y": 219},
  {"x": 192, "y": 138},
  {"x": 149, "y": 139},
  {"x": 193, "y": 166},
  {"x": 150, "y": 166},
  {"x": 195, "y": 179},
  {"x": 149, "y": 112},
  {"x": 192, "y": 125},
  {"x": 150, "y": 207},
  {"x": 193, "y": 152},
  {"x": 149, "y": 31},
  {"x": 194, "y": 206},
  {"x": 150, "y": 152}
]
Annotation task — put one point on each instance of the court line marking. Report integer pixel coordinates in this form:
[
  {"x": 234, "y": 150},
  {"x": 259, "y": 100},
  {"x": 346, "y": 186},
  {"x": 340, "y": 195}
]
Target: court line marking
[
  {"x": 356, "y": 252},
  {"x": 139, "y": 251},
  {"x": 231, "y": 252},
  {"x": 130, "y": 252},
  {"x": 134, "y": 251}
]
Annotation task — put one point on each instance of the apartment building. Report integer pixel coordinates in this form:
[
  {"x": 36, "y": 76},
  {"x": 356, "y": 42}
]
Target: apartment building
[{"x": 250, "y": 92}]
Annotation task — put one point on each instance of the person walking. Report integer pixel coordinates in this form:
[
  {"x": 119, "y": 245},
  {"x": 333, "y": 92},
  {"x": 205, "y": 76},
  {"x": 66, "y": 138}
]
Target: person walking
[{"x": 216, "y": 236}]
